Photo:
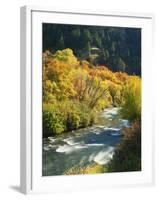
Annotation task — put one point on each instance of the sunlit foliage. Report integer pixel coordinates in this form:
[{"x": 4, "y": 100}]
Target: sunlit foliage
[
  {"x": 131, "y": 108},
  {"x": 89, "y": 169},
  {"x": 74, "y": 91}
]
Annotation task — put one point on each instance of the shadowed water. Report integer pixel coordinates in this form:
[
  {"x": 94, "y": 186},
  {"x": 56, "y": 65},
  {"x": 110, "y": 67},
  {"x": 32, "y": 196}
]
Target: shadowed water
[{"x": 79, "y": 148}]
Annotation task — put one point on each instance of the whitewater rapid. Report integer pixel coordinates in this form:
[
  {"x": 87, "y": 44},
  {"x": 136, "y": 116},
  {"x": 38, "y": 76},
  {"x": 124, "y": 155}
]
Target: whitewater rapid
[{"x": 81, "y": 147}]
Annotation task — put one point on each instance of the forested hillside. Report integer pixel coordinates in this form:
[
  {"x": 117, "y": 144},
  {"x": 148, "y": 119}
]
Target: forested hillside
[
  {"x": 91, "y": 99},
  {"x": 73, "y": 92},
  {"x": 117, "y": 48}
]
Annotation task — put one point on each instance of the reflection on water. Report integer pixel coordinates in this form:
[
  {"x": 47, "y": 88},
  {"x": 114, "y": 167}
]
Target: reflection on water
[{"x": 94, "y": 144}]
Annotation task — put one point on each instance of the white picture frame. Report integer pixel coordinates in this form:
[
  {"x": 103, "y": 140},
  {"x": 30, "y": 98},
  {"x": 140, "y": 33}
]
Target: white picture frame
[{"x": 31, "y": 114}]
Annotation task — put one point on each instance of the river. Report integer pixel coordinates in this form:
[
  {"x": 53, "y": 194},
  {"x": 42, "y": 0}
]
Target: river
[{"x": 95, "y": 144}]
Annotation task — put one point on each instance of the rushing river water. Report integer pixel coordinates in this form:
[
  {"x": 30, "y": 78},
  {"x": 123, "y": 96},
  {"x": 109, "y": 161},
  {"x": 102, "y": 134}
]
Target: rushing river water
[{"x": 79, "y": 148}]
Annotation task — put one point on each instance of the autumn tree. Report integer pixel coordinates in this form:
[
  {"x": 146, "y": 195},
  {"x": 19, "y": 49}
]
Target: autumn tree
[{"x": 131, "y": 108}]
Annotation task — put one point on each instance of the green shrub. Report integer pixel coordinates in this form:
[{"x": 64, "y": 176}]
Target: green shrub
[
  {"x": 84, "y": 119},
  {"x": 76, "y": 114},
  {"x": 65, "y": 116},
  {"x": 131, "y": 109},
  {"x": 127, "y": 156},
  {"x": 53, "y": 122},
  {"x": 73, "y": 121}
]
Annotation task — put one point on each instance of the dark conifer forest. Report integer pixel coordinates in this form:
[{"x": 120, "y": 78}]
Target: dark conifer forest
[{"x": 117, "y": 48}]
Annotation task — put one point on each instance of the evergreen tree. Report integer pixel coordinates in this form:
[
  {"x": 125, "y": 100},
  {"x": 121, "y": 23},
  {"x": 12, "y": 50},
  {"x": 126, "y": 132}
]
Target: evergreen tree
[
  {"x": 61, "y": 43},
  {"x": 121, "y": 64}
]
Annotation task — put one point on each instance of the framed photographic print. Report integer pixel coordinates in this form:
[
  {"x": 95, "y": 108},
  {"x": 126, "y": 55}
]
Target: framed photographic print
[{"x": 86, "y": 100}]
